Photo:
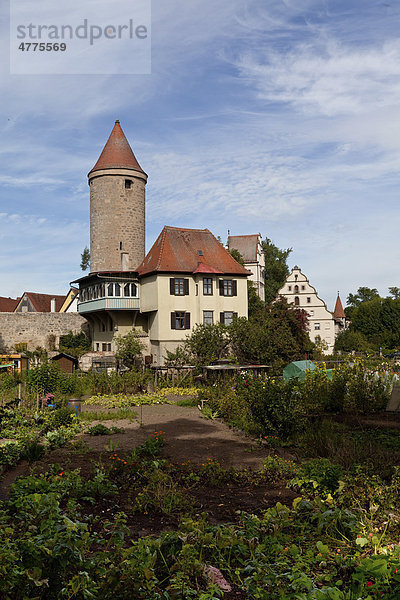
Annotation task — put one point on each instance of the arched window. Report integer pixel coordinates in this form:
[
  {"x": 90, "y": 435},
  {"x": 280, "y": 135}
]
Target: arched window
[
  {"x": 296, "y": 289},
  {"x": 296, "y": 301}
]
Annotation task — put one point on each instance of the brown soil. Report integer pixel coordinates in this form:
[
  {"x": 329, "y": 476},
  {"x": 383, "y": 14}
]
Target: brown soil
[{"x": 189, "y": 437}]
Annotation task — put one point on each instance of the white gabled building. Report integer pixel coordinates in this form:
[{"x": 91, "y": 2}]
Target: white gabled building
[
  {"x": 298, "y": 291},
  {"x": 251, "y": 250}
]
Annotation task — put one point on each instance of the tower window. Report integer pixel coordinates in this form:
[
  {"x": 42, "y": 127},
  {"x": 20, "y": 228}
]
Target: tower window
[
  {"x": 128, "y": 184},
  {"x": 120, "y": 245}
]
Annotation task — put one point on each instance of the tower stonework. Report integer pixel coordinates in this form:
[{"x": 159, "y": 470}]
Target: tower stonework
[{"x": 117, "y": 207}]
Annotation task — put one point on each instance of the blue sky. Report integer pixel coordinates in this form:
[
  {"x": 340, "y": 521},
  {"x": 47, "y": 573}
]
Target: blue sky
[{"x": 281, "y": 117}]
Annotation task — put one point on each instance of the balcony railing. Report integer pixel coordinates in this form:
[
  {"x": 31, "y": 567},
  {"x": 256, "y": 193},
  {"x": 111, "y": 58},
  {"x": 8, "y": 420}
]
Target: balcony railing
[{"x": 108, "y": 304}]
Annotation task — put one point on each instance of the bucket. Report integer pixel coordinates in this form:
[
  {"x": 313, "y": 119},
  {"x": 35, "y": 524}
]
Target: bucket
[{"x": 75, "y": 404}]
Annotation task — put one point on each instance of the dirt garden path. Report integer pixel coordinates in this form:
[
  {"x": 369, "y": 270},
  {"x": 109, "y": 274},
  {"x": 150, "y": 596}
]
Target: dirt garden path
[{"x": 188, "y": 436}]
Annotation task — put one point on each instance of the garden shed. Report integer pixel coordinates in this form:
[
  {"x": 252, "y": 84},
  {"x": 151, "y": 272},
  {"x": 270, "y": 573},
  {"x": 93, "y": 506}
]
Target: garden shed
[
  {"x": 297, "y": 369},
  {"x": 67, "y": 362}
]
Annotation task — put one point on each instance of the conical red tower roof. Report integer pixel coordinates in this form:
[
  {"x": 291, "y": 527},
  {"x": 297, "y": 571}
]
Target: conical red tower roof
[
  {"x": 339, "y": 313},
  {"x": 117, "y": 153}
]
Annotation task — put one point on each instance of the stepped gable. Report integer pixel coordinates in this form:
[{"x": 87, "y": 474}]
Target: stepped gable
[{"x": 179, "y": 250}]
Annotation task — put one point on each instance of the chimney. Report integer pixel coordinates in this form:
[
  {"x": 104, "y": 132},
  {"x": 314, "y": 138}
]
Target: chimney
[{"x": 53, "y": 305}]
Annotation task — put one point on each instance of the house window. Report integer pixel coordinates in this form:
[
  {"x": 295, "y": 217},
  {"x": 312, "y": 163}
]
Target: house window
[
  {"x": 290, "y": 288},
  {"x": 208, "y": 318},
  {"x": 296, "y": 301},
  {"x": 227, "y": 317},
  {"x": 317, "y": 326},
  {"x": 128, "y": 184},
  {"x": 311, "y": 313},
  {"x": 180, "y": 320},
  {"x": 227, "y": 287},
  {"x": 130, "y": 289},
  {"x": 178, "y": 286},
  {"x": 303, "y": 287},
  {"x": 97, "y": 347},
  {"x": 308, "y": 300},
  {"x": 207, "y": 286},
  {"x": 296, "y": 289},
  {"x": 104, "y": 347}
]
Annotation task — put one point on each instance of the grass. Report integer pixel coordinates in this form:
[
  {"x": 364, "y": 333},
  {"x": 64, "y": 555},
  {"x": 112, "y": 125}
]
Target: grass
[
  {"x": 376, "y": 449},
  {"x": 189, "y": 401}
]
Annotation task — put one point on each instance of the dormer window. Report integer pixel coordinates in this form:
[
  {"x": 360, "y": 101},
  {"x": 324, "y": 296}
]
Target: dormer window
[{"x": 128, "y": 184}]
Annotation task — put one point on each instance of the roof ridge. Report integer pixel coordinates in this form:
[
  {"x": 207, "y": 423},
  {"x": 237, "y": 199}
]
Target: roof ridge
[{"x": 161, "y": 246}]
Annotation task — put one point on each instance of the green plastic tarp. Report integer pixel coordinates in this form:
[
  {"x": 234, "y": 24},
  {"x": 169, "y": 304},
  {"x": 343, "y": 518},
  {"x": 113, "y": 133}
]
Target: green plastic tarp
[{"x": 298, "y": 369}]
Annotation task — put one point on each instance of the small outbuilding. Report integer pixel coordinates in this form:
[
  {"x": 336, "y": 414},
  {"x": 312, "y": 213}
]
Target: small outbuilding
[{"x": 67, "y": 363}]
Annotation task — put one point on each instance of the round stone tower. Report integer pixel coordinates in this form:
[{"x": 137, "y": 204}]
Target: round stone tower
[{"x": 117, "y": 207}]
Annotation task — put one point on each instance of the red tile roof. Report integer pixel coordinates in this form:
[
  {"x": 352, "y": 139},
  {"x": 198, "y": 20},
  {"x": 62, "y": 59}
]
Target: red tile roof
[
  {"x": 203, "y": 268},
  {"x": 8, "y": 304},
  {"x": 189, "y": 251},
  {"x": 339, "y": 313},
  {"x": 117, "y": 153},
  {"x": 42, "y": 302},
  {"x": 246, "y": 245}
]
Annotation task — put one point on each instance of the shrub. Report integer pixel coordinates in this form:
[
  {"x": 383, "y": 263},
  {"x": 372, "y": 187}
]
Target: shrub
[
  {"x": 10, "y": 453},
  {"x": 99, "y": 429},
  {"x": 273, "y": 404}
]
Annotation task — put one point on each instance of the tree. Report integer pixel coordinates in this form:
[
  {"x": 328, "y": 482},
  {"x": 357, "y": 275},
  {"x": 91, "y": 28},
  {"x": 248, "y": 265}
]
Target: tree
[
  {"x": 205, "y": 344},
  {"x": 276, "y": 269},
  {"x": 274, "y": 335},
  {"x": 395, "y": 292},
  {"x": 349, "y": 340},
  {"x": 74, "y": 344},
  {"x": 237, "y": 256},
  {"x": 85, "y": 259},
  {"x": 364, "y": 294},
  {"x": 129, "y": 348},
  {"x": 254, "y": 300}
]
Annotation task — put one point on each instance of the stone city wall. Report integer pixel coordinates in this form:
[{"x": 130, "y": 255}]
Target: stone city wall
[{"x": 38, "y": 329}]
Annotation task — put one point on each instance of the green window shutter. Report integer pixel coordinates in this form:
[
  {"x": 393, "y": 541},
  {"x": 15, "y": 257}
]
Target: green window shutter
[
  {"x": 234, "y": 287},
  {"x": 173, "y": 321},
  {"x": 172, "y": 286},
  {"x": 186, "y": 287},
  {"x": 187, "y": 320},
  {"x": 222, "y": 317},
  {"x": 221, "y": 287}
]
